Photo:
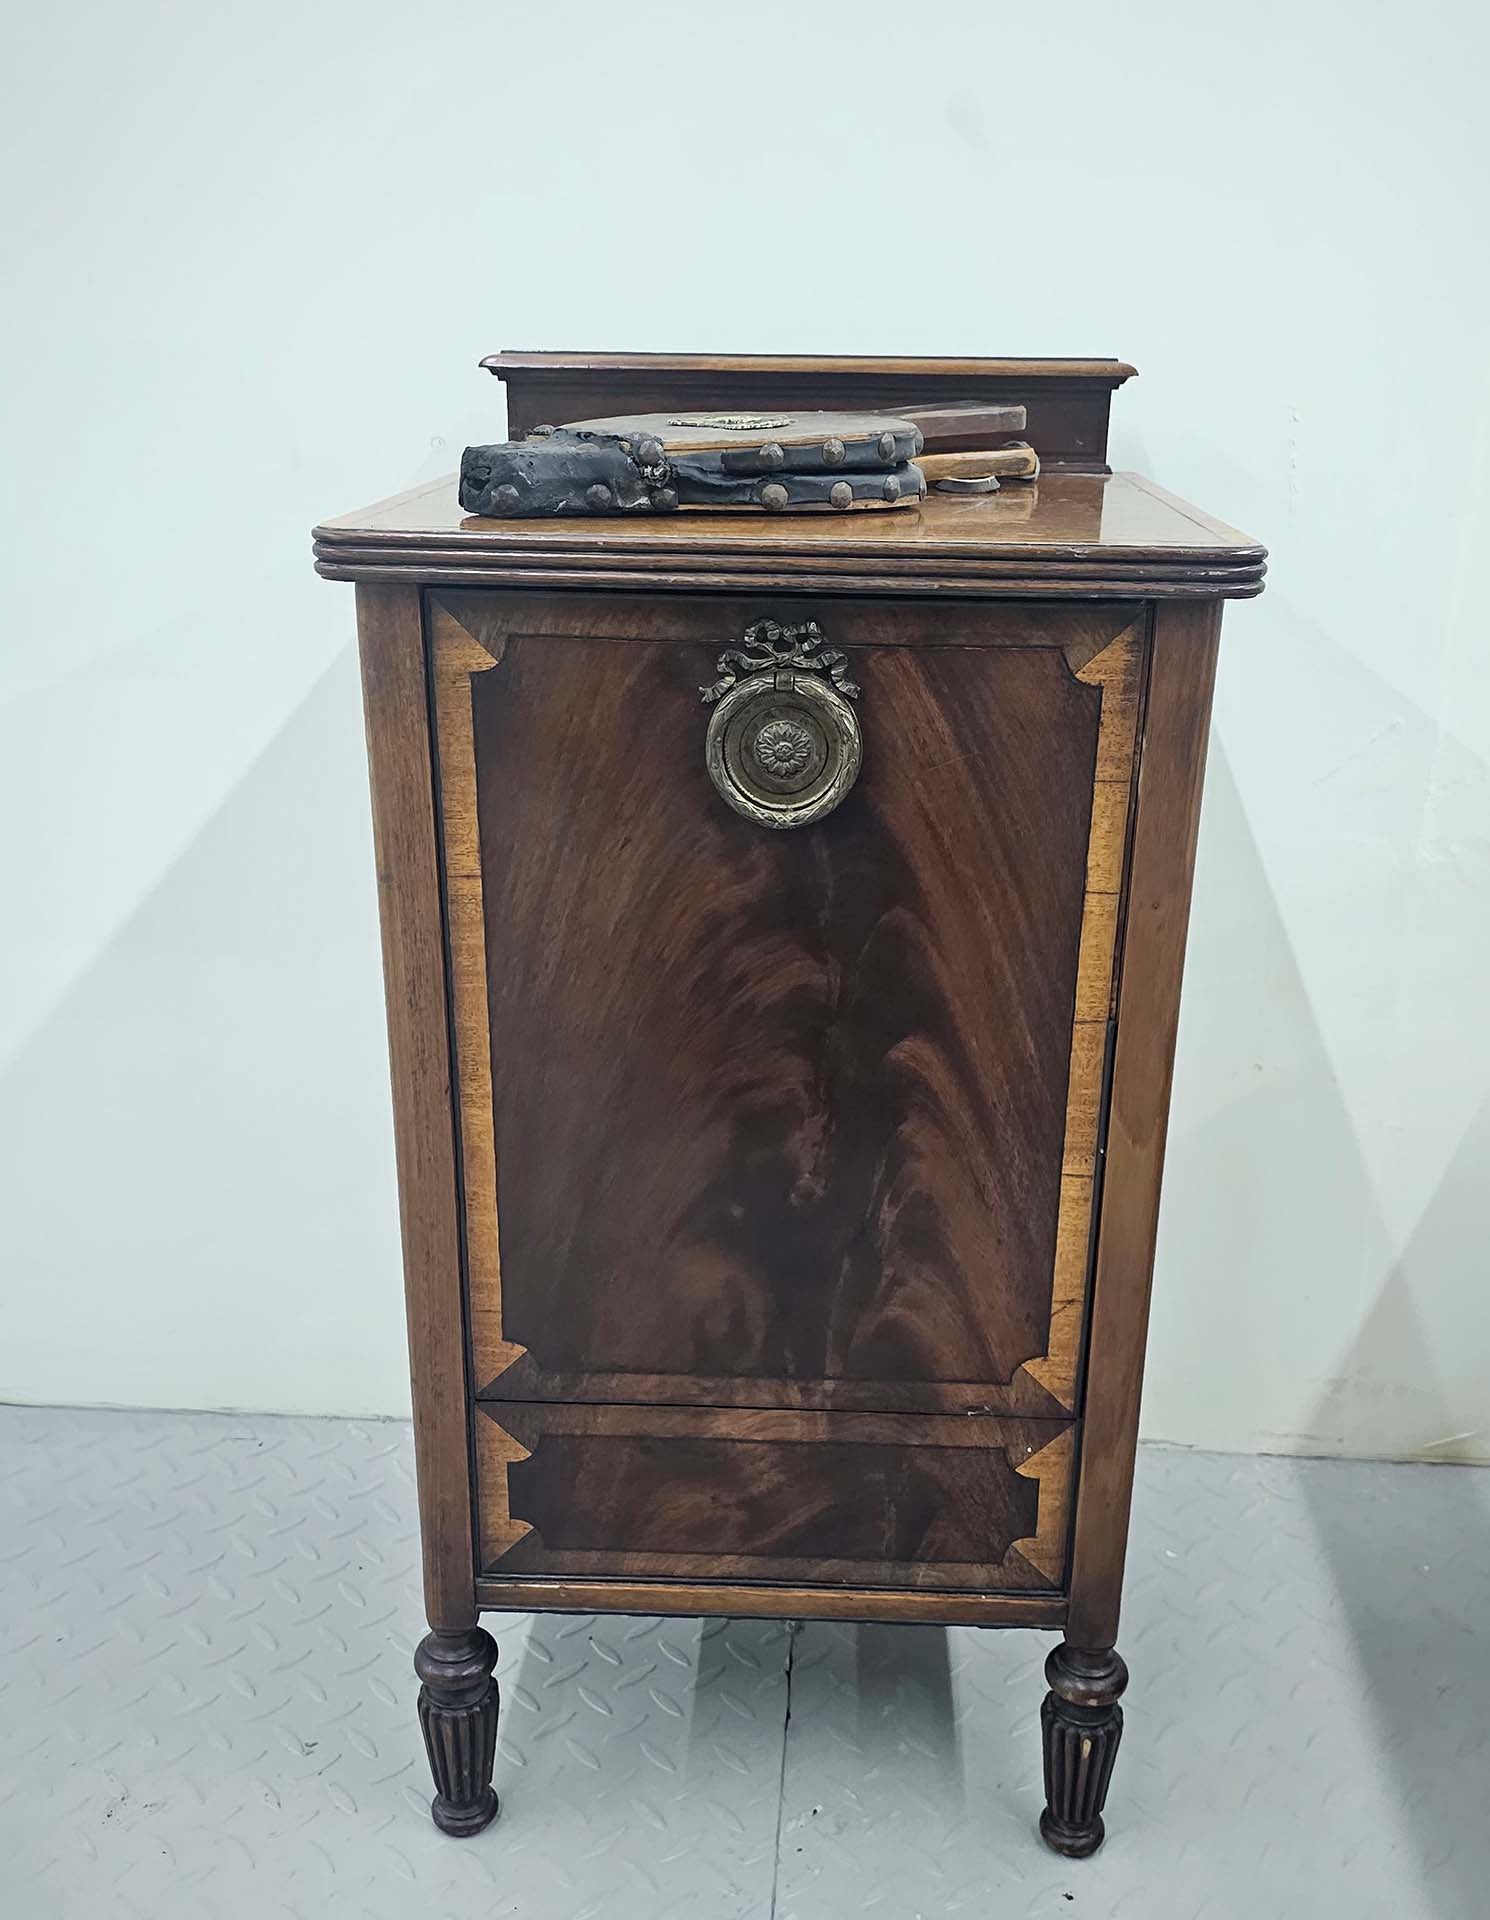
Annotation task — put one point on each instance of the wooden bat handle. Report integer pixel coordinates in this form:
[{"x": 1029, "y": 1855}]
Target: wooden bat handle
[{"x": 1017, "y": 462}]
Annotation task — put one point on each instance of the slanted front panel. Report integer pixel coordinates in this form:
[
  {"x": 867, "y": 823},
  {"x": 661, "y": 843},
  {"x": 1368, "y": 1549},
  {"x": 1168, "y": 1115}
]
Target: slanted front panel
[{"x": 800, "y": 1118}]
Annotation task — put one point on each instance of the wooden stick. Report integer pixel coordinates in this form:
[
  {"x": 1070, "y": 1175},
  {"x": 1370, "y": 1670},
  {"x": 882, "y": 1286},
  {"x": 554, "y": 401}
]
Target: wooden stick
[{"x": 1016, "y": 461}]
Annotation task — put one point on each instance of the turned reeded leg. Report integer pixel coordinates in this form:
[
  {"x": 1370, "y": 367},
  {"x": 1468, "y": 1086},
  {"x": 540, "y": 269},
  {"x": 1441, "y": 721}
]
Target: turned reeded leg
[
  {"x": 1082, "y": 1724},
  {"x": 458, "y": 1712}
]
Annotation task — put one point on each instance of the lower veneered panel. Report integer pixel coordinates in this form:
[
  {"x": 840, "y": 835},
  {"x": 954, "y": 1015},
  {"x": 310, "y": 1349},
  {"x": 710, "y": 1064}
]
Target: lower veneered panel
[{"x": 722, "y": 1494}]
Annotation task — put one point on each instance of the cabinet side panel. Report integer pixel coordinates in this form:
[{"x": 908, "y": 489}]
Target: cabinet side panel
[
  {"x": 1170, "y": 777},
  {"x": 396, "y": 708}
]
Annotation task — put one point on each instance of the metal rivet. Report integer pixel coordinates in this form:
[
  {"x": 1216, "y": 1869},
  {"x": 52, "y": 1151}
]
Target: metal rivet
[
  {"x": 917, "y": 443},
  {"x": 664, "y": 500},
  {"x": 506, "y": 499},
  {"x": 892, "y": 488},
  {"x": 774, "y": 496},
  {"x": 886, "y": 446},
  {"x": 770, "y": 455},
  {"x": 842, "y": 494},
  {"x": 833, "y": 453},
  {"x": 649, "y": 451},
  {"x": 599, "y": 496}
]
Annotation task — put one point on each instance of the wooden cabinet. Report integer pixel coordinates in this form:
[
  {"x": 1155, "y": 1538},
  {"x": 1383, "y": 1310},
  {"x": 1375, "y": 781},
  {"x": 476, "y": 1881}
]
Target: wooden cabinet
[{"x": 779, "y": 1203}]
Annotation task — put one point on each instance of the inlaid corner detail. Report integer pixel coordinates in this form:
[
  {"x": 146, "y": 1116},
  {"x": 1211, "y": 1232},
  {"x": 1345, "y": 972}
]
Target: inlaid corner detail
[
  {"x": 496, "y": 1451},
  {"x": 1116, "y": 667},
  {"x": 1051, "y": 1469},
  {"x": 457, "y": 656}
]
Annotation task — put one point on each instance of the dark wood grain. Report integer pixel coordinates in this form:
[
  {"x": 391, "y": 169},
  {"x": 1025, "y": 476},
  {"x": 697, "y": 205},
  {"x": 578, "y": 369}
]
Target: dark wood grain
[
  {"x": 458, "y": 1705},
  {"x": 1171, "y": 775},
  {"x": 393, "y": 687},
  {"x": 1067, "y": 401},
  {"x": 1101, "y": 645},
  {"x": 1081, "y": 1726},
  {"x": 741, "y": 1130},
  {"x": 714, "y": 621},
  {"x": 813, "y": 1497},
  {"x": 1115, "y": 536},
  {"x": 770, "y": 1600},
  {"x": 903, "y": 367},
  {"x": 584, "y": 572}
]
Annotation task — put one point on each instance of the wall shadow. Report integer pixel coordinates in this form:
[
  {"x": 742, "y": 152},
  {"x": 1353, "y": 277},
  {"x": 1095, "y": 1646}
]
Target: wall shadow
[{"x": 1408, "y": 1548}]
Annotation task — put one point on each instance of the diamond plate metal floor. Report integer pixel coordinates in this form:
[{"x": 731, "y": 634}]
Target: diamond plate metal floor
[{"x": 208, "y": 1710}]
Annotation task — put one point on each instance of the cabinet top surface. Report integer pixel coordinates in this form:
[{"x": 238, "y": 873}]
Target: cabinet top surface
[{"x": 1110, "y": 533}]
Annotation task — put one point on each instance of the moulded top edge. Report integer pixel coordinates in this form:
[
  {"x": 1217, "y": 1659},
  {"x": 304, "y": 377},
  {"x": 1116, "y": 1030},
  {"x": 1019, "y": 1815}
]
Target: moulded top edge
[{"x": 1113, "y": 372}]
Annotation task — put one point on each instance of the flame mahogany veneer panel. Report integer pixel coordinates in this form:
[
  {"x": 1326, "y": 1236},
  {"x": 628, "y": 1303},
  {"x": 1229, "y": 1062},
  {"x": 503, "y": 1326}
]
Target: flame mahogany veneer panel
[
  {"x": 701, "y": 1494},
  {"x": 780, "y": 1118}
]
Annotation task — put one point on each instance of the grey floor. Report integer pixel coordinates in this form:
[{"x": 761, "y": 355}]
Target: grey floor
[{"x": 208, "y": 1710}]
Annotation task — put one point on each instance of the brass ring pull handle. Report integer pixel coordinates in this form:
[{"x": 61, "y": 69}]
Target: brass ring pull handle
[{"x": 783, "y": 746}]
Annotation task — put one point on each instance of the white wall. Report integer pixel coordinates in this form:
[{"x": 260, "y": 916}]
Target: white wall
[{"x": 254, "y": 259}]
